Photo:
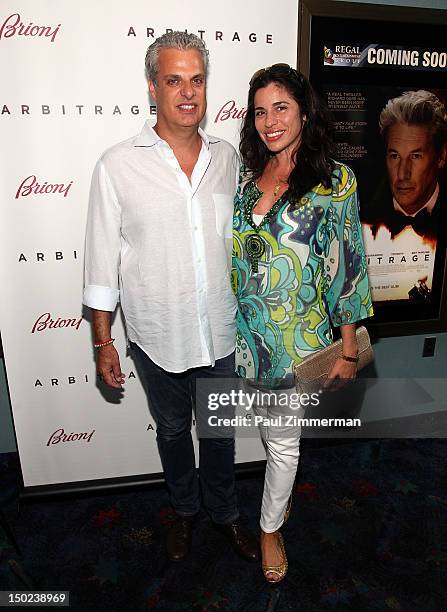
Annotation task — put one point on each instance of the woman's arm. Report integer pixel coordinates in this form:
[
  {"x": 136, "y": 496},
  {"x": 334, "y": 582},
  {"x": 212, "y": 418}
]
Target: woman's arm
[
  {"x": 343, "y": 369},
  {"x": 348, "y": 294}
]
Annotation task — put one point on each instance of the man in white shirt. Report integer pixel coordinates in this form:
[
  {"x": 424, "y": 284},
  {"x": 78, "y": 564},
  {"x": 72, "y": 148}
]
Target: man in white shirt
[{"x": 159, "y": 240}]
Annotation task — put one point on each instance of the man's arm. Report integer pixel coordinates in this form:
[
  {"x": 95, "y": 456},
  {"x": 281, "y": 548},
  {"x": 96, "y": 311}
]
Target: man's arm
[
  {"x": 107, "y": 358},
  {"x": 102, "y": 252}
]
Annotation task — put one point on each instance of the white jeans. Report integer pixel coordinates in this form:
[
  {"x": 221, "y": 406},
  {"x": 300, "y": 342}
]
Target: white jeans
[{"x": 281, "y": 442}]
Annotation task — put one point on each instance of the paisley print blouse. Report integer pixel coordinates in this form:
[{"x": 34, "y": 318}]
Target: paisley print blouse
[{"x": 301, "y": 271}]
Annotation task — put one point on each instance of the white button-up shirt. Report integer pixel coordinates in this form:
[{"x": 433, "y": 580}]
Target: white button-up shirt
[{"x": 162, "y": 246}]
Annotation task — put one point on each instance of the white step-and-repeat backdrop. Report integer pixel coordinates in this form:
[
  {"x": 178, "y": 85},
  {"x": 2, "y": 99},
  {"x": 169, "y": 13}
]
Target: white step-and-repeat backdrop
[{"x": 72, "y": 85}]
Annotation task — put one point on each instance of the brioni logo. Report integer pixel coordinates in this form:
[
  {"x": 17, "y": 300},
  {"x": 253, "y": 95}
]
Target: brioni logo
[
  {"x": 46, "y": 322},
  {"x": 31, "y": 186},
  {"x": 60, "y": 436},
  {"x": 13, "y": 26},
  {"x": 230, "y": 111}
]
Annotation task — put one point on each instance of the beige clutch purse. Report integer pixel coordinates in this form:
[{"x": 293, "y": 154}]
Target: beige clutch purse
[{"x": 311, "y": 373}]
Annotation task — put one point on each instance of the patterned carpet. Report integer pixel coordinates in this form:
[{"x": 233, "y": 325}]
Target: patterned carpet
[{"x": 368, "y": 532}]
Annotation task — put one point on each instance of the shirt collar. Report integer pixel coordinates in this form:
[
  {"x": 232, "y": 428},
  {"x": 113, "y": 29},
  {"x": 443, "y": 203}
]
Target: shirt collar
[
  {"x": 208, "y": 140},
  {"x": 429, "y": 205},
  {"x": 148, "y": 137}
]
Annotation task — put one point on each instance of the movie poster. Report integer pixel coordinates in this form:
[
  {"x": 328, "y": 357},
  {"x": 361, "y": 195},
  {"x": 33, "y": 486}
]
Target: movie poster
[
  {"x": 401, "y": 182},
  {"x": 371, "y": 82}
]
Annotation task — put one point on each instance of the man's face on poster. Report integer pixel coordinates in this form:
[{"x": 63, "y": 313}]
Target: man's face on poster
[{"x": 413, "y": 165}]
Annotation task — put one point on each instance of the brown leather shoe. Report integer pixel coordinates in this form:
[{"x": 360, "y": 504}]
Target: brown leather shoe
[
  {"x": 242, "y": 540},
  {"x": 178, "y": 538}
]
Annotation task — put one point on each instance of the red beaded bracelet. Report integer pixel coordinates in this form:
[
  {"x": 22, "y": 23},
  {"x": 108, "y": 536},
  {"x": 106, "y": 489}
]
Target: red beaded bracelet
[{"x": 105, "y": 343}]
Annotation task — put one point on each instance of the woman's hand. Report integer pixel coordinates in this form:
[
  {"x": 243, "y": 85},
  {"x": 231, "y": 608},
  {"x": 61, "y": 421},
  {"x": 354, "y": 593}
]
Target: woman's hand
[
  {"x": 344, "y": 370},
  {"x": 341, "y": 372}
]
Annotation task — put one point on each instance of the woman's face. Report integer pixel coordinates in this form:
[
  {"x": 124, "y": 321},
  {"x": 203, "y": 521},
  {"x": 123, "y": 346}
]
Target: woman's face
[{"x": 278, "y": 119}]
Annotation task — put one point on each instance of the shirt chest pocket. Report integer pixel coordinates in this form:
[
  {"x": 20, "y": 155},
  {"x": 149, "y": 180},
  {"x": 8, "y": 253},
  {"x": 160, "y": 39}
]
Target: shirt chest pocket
[{"x": 223, "y": 207}]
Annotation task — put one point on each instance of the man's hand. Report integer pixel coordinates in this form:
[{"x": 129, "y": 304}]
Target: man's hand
[
  {"x": 342, "y": 371},
  {"x": 108, "y": 366}
]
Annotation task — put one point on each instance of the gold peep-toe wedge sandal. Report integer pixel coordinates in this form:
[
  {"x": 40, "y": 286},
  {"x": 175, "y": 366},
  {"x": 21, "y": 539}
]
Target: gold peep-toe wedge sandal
[{"x": 279, "y": 570}]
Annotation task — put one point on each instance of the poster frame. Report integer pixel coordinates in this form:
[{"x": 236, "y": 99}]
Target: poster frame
[{"x": 308, "y": 9}]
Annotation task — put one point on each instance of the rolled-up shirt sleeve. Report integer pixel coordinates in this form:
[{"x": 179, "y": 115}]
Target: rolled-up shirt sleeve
[{"x": 102, "y": 243}]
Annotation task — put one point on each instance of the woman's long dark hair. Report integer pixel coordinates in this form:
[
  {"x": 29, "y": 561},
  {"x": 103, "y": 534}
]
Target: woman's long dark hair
[{"x": 313, "y": 159}]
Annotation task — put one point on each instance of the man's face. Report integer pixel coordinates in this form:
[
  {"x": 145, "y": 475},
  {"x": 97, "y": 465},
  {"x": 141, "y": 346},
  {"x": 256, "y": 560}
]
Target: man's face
[
  {"x": 180, "y": 91},
  {"x": 412, "y": 164}
]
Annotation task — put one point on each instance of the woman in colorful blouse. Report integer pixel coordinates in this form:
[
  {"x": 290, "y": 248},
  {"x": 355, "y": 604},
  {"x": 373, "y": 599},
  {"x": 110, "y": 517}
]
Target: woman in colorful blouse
[{"x": 298, "y": 267}]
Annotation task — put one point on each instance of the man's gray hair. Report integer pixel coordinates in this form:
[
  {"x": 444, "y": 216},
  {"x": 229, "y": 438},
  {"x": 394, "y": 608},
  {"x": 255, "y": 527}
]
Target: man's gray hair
[
  {"x": 173, "y": 40},
  {"x": 421, "y": 108}
]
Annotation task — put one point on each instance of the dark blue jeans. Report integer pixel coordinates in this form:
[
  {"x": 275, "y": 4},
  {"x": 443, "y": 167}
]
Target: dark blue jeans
[{"x": 171, "y": 398}]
